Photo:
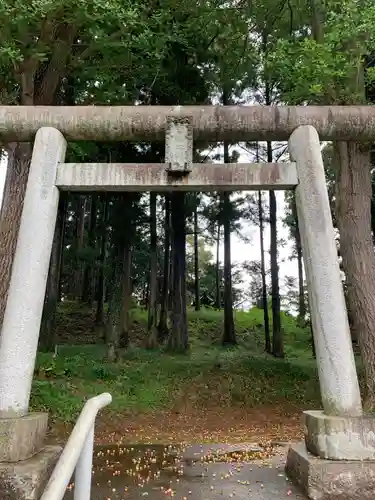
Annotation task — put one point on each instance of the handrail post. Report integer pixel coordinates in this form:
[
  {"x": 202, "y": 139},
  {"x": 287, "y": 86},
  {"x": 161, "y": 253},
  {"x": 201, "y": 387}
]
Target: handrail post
[
  {"x": 83, "y": 472},
  {"x": 77, "y": 455}
]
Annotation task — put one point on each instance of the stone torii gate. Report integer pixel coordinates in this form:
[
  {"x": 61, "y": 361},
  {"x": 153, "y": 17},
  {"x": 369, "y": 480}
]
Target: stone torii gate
[{"x": 339, "y": 450}]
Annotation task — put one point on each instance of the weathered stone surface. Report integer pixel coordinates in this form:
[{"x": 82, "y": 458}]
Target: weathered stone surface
[
  {"x": 330, "y": 480},
  {"x": 213, "y": 123},
  {"x": 23, "y": 437},
  {"x": 26, "y": 480},
  {"x": 207, "y": 480},
  {"x": 154, "y": 177},
  {"x": 24, "y": 308},
  {"x": 334, "y": 352},
  {"x": 179, "y": 142},
  {"x": 340, "y": 438}
]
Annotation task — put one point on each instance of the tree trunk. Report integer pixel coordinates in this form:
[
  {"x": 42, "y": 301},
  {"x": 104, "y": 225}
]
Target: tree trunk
[
  {"x": 229, "y": 334},
  {"x": 317, "y": 19},
  {"x": 19, "y": 157},
  {"x": 47, "y": 338},
  {"x": 178, "y": 337},
  {"x": 277, "y": 336},
  {"x": 33, "y": 91},
  {"x": 312, "y": 341},
  {"x": 171, "y": 266},
  {"x": 89, "y": 275},
  {"x": 353, "y": 215},
  {"x": 301, "y": 290},
  {"x": 127, "y": 294},
  {"x": 196, "y": 259},
  {"x": 218, "y": 294},
  {"x": 147, "y": 294},
  {"x": 144, "y": 294},
  {"x": 373, "y": 204},
  {"x": 86, "y": 265},
  {"x": 78, "y": 280},
  {"x": 152, "y": 304},
  {"x": 263, "y": 273},
  {"x": 100, "y": 292},
  {"x": 115, "y": 308},
  {"x": 163, "y": 324}
]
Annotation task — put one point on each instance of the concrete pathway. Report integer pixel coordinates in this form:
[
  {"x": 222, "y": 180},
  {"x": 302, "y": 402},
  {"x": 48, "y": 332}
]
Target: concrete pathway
[{"x": 158, "y": 472}]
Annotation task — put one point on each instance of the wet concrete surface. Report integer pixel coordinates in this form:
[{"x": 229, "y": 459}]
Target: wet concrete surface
[{"x": 157, "y": 472}]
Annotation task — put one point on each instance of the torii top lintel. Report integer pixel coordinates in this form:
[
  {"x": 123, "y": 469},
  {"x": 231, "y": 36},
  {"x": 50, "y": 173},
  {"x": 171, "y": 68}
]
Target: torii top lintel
[{"x": 210, "y": 123}]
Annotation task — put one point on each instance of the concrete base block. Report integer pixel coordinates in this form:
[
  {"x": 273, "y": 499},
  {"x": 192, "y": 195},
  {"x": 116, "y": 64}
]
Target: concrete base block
[
  {"x": 330, "y": 480},
  {"x": 340, "y": 438},
  {"x": 22, "y": 437},
  {"x": 26, "y": 480}
]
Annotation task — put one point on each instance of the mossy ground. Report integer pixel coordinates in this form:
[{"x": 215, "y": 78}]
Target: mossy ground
[{"x": 208, "y": 376}]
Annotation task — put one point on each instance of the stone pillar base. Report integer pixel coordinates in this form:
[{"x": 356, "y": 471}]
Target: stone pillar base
[
  {"x": 324, "y": 479},
  {"x": 22, "y": 437},
  {"x": 26, "y": 480},
  {"x": 340, "y": 438}
]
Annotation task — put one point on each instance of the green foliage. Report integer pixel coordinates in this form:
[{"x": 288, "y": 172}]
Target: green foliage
[
  {"x": 312, "y": 67},
  {"x": 114, "y": 51},
  {"x": 326, "y": 67}
]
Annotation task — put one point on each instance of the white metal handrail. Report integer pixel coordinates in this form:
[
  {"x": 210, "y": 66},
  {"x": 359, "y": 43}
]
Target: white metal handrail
[{"x": 77, "y": 455}]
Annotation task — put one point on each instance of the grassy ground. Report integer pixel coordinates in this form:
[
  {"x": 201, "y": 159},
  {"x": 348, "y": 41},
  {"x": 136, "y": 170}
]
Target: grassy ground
[{"x": 206, "y": 379}]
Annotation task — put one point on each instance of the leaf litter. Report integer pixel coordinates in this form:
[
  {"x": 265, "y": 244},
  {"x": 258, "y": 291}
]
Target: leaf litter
[{"x": 162, "y": 462}]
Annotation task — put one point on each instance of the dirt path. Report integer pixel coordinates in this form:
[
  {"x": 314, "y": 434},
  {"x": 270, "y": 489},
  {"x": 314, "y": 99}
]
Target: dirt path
[{"x": 223, "y": 425}]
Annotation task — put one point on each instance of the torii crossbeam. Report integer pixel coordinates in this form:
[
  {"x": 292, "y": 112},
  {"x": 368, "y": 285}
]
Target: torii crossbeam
[{"x": 210, "y": 123}]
